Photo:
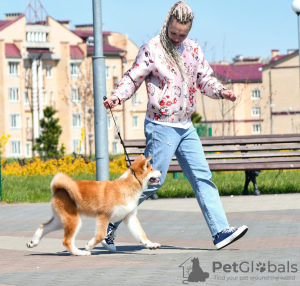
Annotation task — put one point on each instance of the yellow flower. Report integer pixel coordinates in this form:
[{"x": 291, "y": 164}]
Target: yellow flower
[
  {"x": 67, "y": 164},
  {"x": 3, "y": 140}
]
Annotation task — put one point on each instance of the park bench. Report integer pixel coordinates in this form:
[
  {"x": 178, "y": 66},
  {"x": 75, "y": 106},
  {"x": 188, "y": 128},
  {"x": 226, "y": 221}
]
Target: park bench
[{"x": 239, "y": 153}]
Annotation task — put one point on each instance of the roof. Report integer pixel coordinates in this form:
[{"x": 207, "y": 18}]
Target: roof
[
  {"x": 276, "y": 58},
  {"x": 280, "y": 59},
  {"x": 76, "y": 52},
  {"x": 107, "y": 48},
  {"x": 12, "y": 51},
  {"x": 5, "y": 23},
  {"x": 238, "y": 73},
  {"x": 84, "y": 34}
]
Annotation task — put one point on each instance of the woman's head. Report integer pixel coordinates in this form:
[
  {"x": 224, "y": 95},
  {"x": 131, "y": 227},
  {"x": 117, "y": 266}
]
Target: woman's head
[{"x": 175, "y": 30}]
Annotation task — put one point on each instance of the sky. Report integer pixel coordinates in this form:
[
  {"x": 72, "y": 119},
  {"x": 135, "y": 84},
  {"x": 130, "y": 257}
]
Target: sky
[{"x": 223, "y": 28}]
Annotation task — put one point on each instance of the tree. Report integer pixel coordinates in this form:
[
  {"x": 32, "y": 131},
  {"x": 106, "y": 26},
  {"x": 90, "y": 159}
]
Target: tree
[
  {"x": 82, "y": 87},
  {"x": 47, "y": 143}
]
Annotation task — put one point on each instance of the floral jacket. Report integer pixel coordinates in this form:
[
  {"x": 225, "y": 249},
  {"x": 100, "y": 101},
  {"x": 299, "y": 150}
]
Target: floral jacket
[{"x": 170, "y": 98}]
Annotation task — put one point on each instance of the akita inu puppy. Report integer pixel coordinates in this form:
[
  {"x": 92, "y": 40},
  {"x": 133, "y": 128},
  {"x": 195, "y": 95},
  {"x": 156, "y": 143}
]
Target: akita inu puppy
[{"x": 107, "y": 201}]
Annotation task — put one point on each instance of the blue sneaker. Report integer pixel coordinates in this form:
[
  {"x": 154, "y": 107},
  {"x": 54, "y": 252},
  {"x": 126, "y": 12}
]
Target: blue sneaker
[
  {"x": 228, "y": 236},
  {"x": 108, "y": 241}
]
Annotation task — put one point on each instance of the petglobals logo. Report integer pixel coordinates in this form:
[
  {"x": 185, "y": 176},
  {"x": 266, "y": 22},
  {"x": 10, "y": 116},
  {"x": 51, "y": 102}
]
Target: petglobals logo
[
  {"x": 255, "y": 267},
  {"x": 192, "y": 272}
]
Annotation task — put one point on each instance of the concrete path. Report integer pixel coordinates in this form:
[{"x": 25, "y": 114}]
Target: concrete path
[{"x": 269, "y": 254}]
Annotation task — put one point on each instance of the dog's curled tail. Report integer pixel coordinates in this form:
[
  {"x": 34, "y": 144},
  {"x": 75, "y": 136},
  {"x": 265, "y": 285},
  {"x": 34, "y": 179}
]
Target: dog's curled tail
[{"x": 62, "y": 181}]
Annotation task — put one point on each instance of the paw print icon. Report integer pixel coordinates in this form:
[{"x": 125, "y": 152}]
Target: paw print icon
[{"x": 261, "y": 267}]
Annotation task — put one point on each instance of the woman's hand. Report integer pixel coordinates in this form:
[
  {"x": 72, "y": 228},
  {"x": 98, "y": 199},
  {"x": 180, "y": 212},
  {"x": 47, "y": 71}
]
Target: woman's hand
[
  {"x": 228, "y": 94},
  {"x": 111, "y": 102}
]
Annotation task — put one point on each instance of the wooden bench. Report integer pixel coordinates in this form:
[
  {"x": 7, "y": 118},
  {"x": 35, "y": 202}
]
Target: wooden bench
[{"x": 240, "y": 153}]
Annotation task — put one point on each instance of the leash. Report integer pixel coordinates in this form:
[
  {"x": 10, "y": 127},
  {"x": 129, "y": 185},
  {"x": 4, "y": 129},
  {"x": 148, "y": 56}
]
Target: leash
[{"x": 104, "y": 98}]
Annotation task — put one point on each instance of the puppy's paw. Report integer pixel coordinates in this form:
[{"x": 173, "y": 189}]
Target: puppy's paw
[
  {"x": 152, "y": 245},
  {"x": 89, "y": 247},
  {"x": 82, "y": 253},
  {"x": 31, "y": 244}
]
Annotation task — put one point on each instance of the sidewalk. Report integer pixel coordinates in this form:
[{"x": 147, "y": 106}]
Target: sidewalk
[{"x": 269, "y": 254}]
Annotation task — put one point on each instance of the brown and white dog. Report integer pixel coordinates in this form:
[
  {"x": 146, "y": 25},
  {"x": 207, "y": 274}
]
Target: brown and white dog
[{"x": 107, "y": 201}]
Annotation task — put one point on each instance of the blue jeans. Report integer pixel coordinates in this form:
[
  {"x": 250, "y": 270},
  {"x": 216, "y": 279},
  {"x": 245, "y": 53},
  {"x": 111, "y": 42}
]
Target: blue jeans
[{"x": 162, "y": 142}]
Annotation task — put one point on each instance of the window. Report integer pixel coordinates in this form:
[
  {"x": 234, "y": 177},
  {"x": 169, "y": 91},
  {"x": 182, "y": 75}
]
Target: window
[
  {"x": 27, "y": 150},
  {"x": 255, "y": 94},
  {"x": 256, "y": 111},
  {"x": 44, "y": 98},
  {"x": 26, "y": 98},
  {"x": 134, "y": 99},
  {"x": 28, "y": 130},
  {"x": 52, "y": 98},
  {"x": 76, "y": 120},
  {"x": 135, "y": 122},
  {"x": 115, "y": 147},
  {"x": 107, "y": 72},
  {"x": 27, "y": 75},
  {"x": 74, "y": 70},
  {"x": 77, "y": 148},
  {"x": 13, "y": 69},
  {"x": 15, "y": 121},
  {"x": 14, "y": 94},
  {"x": 15, "y": 148},
  {"x": 75, "y": 95},
  {"x": 36, "y": 37},
  {"x": 256, "y": 128},
  {"x": 48, "y": 71},
  {"x": 109, "y": 122},
  {"x": 114, "y": 71}
]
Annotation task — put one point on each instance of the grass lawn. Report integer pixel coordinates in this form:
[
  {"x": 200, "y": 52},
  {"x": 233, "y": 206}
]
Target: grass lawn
[{"x": 37, "y": 188}]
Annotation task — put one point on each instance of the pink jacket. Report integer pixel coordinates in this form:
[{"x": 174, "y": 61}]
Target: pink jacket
[{"x": 170, "y": 99}]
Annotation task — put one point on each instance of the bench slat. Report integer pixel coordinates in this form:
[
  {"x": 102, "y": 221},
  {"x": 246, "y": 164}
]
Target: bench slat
[
  {"x": 252, "y": 148},
  {"x": 251, "y": 139},
  {"x": 256, "y": 166},
  {"x": 255, "y": 160},
  {"x": 230, "y": 156},
  {"x": 253, "y": 154},
  {"x": 232, "y": 140},
  {"x": 244, "y": 167}
]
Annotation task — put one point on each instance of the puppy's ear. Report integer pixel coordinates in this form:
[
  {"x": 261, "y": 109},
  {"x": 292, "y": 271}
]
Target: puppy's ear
[
  {"x": 139, "y": 158},
  {"x": 146, "y": 162}
]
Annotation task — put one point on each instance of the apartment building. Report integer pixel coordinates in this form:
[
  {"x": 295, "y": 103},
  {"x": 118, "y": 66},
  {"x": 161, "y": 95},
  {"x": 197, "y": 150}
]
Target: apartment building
[
  {"x": 281, "y": 80},
  {"x": 47, "y": 64},
  {"x": 243, "y": 117}
]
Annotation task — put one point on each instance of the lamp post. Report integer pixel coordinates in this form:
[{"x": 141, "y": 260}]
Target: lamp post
[{"x": 296, "y": 9}]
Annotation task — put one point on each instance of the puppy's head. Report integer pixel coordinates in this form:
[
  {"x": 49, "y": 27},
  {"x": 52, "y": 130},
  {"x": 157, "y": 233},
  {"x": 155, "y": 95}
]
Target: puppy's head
[{"x": 144, "y": 171}]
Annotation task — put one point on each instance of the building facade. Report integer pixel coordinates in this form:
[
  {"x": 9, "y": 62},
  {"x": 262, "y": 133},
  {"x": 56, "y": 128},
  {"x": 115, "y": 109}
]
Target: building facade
[
  {"x": 282, "y": 93},
  {"x": 242, "y": 117},
  {"x": 47, "y": 64}
]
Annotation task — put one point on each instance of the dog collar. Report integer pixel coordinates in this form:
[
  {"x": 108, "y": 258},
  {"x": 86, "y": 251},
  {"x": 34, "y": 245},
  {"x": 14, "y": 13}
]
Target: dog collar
[{"x": 133, "y": 172}]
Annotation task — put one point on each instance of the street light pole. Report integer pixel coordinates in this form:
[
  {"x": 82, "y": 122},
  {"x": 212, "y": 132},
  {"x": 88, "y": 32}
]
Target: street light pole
[{"x": 99, "y": 81}]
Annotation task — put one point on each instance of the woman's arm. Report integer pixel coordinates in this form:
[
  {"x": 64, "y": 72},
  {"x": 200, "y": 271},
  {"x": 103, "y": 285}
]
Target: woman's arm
[{"x": 133, "y": 78}]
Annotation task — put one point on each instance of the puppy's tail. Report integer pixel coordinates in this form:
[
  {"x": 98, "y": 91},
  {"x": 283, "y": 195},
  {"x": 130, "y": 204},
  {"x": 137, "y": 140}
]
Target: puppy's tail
[{"x": 62, "y": 181}]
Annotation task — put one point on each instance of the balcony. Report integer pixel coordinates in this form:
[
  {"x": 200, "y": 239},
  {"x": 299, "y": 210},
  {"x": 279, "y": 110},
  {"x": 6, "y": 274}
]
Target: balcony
[{"x": 36, "y": 36}]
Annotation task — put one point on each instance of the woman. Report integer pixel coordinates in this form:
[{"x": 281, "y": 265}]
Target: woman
[{"x": 173, "y": 66}]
